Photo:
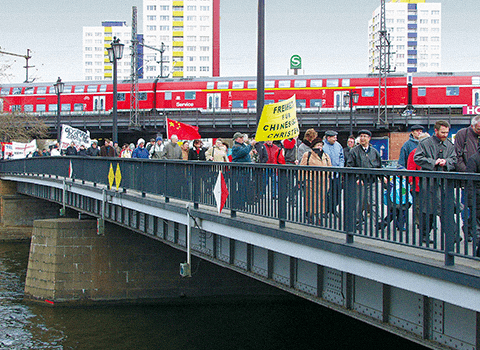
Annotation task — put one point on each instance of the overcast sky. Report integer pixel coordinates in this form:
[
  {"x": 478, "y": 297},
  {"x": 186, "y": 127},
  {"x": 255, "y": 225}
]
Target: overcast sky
[{"x": 330, "y": 36}]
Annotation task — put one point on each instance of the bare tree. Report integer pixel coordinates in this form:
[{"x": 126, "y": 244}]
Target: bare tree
[{"x": 21, "y": 127}]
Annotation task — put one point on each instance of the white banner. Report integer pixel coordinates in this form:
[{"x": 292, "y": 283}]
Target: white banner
[
  {"x": 21, "y": 150},
  {"x": 77, "y": 136}
]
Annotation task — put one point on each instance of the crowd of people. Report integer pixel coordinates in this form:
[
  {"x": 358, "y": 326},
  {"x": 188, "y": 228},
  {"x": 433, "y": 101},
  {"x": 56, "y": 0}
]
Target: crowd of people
[{"x": 420, "y": 152}]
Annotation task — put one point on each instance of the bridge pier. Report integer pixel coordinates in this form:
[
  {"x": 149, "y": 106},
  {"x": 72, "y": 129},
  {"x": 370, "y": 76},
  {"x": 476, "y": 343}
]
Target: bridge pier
[
  {"x": 70, "y": 263},
  {"x": 17, "y": 212}
]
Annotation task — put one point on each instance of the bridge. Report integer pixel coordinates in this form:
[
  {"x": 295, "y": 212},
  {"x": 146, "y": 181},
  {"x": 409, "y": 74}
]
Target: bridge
[
  {"x": 277, "y": 234},
  {"x": 224, "y": 122}
]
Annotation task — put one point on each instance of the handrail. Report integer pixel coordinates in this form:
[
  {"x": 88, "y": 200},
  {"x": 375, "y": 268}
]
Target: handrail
[{"x": 394, "y": 206}]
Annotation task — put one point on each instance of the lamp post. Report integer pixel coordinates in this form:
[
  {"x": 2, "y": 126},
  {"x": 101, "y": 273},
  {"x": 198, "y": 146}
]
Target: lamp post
[
  {"x": 115, "y": 52},
  {"x": 58, "y": 90},
  {"x": 162, "y": 50},
  {"x": 351, "y": 98}
]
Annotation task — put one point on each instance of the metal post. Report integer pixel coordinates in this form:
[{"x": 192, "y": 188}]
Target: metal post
[
  {"x": 58, "y": 116},
  {"x": 261, "y": 59},
  {"x": 115, "y": 131},
  {"x": 351, "y": 112}
]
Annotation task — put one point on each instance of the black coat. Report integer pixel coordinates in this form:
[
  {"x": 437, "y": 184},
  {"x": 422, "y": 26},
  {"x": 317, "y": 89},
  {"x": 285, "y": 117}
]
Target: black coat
[{"x": 193, "y": 155}]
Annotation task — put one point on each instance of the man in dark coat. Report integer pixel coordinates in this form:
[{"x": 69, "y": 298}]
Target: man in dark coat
[
  {"x": 365, "y": 156},
  {"x": 197, "y": 152},
  {"x": 435, "y": 153},
  {"x": 410, "y": 144}
]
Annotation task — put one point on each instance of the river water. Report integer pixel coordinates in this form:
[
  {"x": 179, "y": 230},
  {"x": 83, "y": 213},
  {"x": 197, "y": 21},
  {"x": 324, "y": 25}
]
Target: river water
[{"x": 265, "y": 325}]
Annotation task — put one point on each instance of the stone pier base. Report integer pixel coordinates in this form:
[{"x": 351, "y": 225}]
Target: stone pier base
[{"x": 70, "y": 263}]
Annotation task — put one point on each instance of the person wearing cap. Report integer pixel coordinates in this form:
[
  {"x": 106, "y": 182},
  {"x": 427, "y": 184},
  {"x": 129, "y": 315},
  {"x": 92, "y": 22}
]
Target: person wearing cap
[
  {"x": 140, "y": 151},
  {"x": 240, "y": 150},
  {"x": 410, "y": 144},
  {"x": 335, "y": 151},
  {"x": 107, "y": 149},
  {"x": 315, "y": 190},
  {"x": 93, "y": 150},
  {"x": 364, "y": 155},
  {"x": 172, "y": 150},
  {"x": 156, "y": 151}
]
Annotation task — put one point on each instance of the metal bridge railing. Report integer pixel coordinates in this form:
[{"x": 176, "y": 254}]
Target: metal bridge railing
[{"x": 436, "y": 211}]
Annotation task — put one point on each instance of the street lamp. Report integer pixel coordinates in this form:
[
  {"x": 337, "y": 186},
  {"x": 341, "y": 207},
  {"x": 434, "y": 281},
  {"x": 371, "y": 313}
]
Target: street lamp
[
  {"x": 58, "y": 90},
  {"x": 115, "y": 52},
  {"x": 162, "y": 50},
  {"x": 351, "y": 98}
]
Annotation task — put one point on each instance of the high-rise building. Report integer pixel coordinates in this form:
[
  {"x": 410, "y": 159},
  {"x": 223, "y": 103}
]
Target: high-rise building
[
  {"x": 96, "y": 40},
  {"x": 415, "y": 31},
  {"x": 190, "y": 32}
]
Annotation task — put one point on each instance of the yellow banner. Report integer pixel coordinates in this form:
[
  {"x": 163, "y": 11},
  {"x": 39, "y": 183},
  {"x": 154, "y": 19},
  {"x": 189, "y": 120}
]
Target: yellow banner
[{"x": 278, "y": 121}]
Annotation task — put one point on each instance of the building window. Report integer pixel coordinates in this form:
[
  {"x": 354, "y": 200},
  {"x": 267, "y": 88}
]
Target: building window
[
  {"x": 163, "y": 27},
  {"x": 152, "y": 28},
  {"x": 204, "y": 48},
  {"x": 191, "y": 18},
  {"x": 204, "y": 8},
  {"x": 204, "y": 69},
  {"x": 151, "y": 7},
  {"x": 164, "y": 7},
  {"x": 435, "y": 21},
  {"x": 191, "y": 8},
  {"x": 151, "y": 18},
  {"x": 164, "y": 18}
]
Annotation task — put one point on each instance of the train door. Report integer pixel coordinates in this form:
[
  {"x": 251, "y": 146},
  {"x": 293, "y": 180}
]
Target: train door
[
  {"x": 99, "y": 103},
  {"x": 339, "y": 100},
  {"x": 214, "y": 101},
  {"x": 476, "y": 97}
]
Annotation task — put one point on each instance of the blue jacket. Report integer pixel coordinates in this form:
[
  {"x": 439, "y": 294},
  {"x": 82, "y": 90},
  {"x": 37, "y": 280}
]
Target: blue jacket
[
  {"x": 335, "y": 152},
  {"x": 140, "y": 153},
  {"x": 241, "y": 153},
  {"x": 406, "y": 149}
]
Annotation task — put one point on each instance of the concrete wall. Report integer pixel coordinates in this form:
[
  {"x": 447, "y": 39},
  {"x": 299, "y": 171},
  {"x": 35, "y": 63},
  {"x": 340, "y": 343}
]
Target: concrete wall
[{"x": 70, "y": 263}]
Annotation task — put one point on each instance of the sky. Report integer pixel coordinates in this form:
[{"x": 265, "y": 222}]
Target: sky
[{"x": 330, "y": 36}]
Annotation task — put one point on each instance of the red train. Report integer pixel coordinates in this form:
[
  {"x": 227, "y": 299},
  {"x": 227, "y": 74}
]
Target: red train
[{"x": 459, "y": 92}]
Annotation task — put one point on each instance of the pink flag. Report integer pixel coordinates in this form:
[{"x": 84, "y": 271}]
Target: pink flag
[{"x": 220, "y": 192}]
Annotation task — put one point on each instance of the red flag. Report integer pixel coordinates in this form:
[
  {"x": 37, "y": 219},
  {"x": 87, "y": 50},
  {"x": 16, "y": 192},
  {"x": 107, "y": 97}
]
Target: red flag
[
  {"x": 220, "y": 192},
  {"x": 70, "y": 170},
  {"x": 182, "y": 130}
]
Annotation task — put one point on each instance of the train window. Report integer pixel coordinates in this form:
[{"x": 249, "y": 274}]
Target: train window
[
  {"x": 222, "y": 85},
  {"x": 316, "y": 103},
  {"x": 52, "y": 108},
  {"x": 210, "y": 85},
  {"x": 121, "y": 96},
  {"x": 92, "y": 88},
  {"x": 269, "y": 102},
  {"x": 316, "y": 83},
  {"x": 190, "y": 95},
  {"x": 332, "y": 82},
  {"x": 422, "y": 91},
  {"x": 78, "y": 107},
  {"x": 300, "y": 83},
  {"x": 168, "y": 95},
  {"x": 475, "y": 80},
  {"x": 41, "y": 108},
  {"x": 345, "y": 82},
  {"x": 237, "y": 104},
  {"x": 142, "y": 96},
  {"x": 238, "y": 85},
  {"x": 284, "y": 84},
  {"x": 29, "y": 90},
  {"x": 252, "y": 103},
  {"x": 368, "y": 92},
  {"x": 66, "y": 107},
  {"x": 28, "y": 108},
  {"x": 66, "y": 90},
  {"x": 252, "y": 84},
  {"x": 5, "y": 91},
  {"x": 103, "y": 88},
  {"x": 453, "y": 91},
  {"x": 301, "y": 103},
  {"x": 15, "y": 108},
  {"x": 41, "y": 90},
  {"x": 16, "y": 91},
  {"x": 79, "y": 89},
  {"x": 269, "y": 84}
]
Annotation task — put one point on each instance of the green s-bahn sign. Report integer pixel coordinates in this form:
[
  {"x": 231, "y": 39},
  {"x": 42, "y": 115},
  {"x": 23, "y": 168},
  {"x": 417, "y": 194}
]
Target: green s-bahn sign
[{"x": 295, "y": 62}]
